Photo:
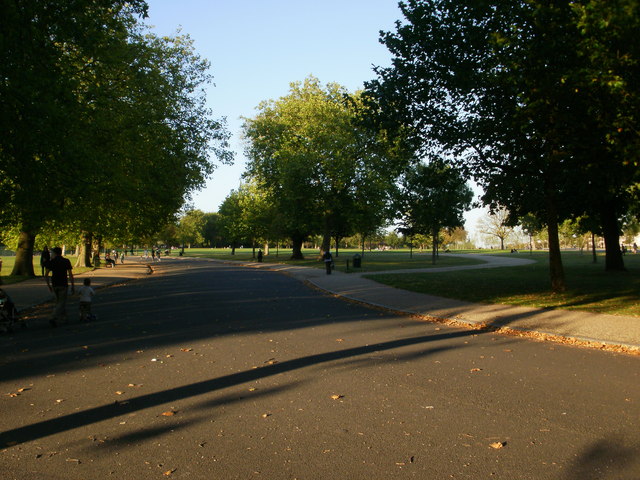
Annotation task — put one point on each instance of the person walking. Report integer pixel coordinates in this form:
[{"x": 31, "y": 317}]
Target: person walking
[
  {"x": 328, "y": 261},
  {"x": 45, "y": 256},
  {"x": 59, "y": 269},
  {"x": 86, "y": 292}
]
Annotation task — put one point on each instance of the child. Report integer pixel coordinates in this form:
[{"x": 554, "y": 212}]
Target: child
[{"x": 86, "y": 292}]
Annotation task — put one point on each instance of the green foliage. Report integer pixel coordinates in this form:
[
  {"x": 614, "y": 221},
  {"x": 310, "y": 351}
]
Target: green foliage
[
  {"x": 318, "y": 168},
  {"x": 432, "y": 197},
  {"x": 536, "y": 99},
  {"x": 105, "y": 127}
]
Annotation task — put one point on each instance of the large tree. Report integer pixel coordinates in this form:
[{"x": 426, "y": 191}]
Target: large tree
[
  {"x": 316, "y": 162},
  {"x": 433, "y": 196},
  {"x": 105, "y": 128},
  {"x": 501, "y": 84}
]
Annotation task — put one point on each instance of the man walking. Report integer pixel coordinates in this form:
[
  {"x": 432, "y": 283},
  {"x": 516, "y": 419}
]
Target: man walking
[{"x": 59, "y": 268}]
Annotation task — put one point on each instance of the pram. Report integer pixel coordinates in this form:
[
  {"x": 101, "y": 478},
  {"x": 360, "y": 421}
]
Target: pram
[{"x": 8, "y": 313}]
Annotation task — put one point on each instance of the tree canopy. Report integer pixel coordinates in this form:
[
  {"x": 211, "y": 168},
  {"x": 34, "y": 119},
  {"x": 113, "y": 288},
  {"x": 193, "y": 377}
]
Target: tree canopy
[
  {"x": 104, "y": 125},
  {"x": 323, "y": 171},
  {"x": 532, "y": 98}
]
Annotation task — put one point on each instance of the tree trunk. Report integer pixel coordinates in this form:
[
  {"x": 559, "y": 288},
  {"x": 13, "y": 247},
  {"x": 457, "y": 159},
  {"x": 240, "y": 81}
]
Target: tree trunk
[
  {"x": 556, "y": 269},
  {"x": 593, "y": 247},
  {"x": 337, "y": 245},
  {"x": 297, "y": 241},
  {"x": 434, "y": 247},
  {"x": 24, "y": 254},
  {"x": 613, "y": 260},
  {"x": 326, "y": 242},
  {"x": 84, "y": 254}
]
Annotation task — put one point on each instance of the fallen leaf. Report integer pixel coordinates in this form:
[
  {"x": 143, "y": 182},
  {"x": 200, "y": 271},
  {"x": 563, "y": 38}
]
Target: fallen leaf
[
  {"x": 498, "y": 445},
  {"x": 337, "y": 397},
  {"x": 169, "y": 413},
  {"x": 20, "y": 390},
  {"x": 119, "y": 393},
  {"x": 265, "y": 415},
  {"x": 60, "y": 400},
  {"x": 253, "y": 389},
  {"x": 169, "y": 472},
  {"x": 339, "y": 340},
  {"x": 186, "y": 349},
  {"x": 476, "y": 369}
]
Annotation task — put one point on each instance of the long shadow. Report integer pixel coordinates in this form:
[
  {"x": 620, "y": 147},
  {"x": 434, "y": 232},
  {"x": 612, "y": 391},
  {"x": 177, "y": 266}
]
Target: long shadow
[
  {"x": 206, "y": 301},
  {"x": 45, "y": 428},
  {"x": 606, "y": 458}
]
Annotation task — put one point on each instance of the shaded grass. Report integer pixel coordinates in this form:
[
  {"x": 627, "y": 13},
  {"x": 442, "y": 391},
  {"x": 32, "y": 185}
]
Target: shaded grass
[
  {"x": 9, "y": 262},
  {"x": 590, "y": 288},
  {"x": 370, "y": 261}
]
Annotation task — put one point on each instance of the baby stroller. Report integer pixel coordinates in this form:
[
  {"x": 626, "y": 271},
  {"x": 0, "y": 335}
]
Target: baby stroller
[{"x": 8, "y": 313}]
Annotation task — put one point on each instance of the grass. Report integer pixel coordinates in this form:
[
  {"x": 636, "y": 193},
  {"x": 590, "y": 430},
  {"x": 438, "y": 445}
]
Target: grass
[
  {"x": 371, "y": 261},
  {"x": 7, "y": 267},
  {"x": 590, "y": 288}
]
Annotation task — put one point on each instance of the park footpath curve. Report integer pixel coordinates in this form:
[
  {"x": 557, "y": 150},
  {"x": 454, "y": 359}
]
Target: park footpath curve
[{"x": 616, "y": 332}]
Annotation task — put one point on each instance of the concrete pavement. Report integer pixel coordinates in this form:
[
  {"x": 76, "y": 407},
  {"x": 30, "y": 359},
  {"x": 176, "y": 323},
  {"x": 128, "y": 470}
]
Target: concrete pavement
[{"x": 596, "y": 330}]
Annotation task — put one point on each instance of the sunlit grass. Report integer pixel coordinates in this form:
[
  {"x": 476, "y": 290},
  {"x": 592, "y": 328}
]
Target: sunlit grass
[
  {"x": 9, "y": 261},
  {"x": 371, "y": 261},
  {"x": 590, "y": 288}
]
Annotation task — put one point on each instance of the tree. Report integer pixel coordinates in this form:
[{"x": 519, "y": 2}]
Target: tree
[
  {"x": 517, "y": 91},
  {"x": 105, "y": 100},
  {"x": 432, "y": 196},
  {"x": 496, "y": 224},
  {"x": 315, "y": 162},
  {"x": 190, "y": 227},
  {"x": 211, "y": 230},
  {"x": 232, "y": 219}
]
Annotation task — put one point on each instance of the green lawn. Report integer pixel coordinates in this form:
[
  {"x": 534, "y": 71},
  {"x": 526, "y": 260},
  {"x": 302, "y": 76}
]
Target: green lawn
[
  {"x": 371, "y": 261},
  {"x": 590, "y": 288},
  {"x": 8, "y": 262}
]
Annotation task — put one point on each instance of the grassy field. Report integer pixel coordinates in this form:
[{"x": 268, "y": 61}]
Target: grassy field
[
  {"x": 590, "y": 288},
  {"x": 8, "y": 262},
  {"x": 371, "y": 261}
]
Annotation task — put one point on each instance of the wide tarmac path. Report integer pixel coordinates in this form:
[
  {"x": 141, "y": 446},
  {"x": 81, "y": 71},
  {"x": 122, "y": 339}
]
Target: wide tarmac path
[{"x": 213, "y": 371}]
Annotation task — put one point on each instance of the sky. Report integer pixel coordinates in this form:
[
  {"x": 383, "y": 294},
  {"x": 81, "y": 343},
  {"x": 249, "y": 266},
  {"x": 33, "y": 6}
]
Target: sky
[{"x": 258, "y": 47}]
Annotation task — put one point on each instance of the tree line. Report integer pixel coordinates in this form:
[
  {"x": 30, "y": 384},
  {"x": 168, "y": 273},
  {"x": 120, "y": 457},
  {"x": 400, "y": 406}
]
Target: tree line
[
  {"x": 537, "y": 101},
  {"x": 105, "y": 131}
]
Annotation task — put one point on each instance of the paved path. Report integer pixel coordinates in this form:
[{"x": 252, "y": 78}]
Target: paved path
[
  {"x": 216, "y": 371},
  {"x": 596, "y": 329},
  {"x": 610, "y": 330}
]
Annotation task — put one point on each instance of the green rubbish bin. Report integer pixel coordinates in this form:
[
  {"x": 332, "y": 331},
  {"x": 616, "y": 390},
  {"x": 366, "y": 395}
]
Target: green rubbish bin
[{"x": 357, "y": 261}]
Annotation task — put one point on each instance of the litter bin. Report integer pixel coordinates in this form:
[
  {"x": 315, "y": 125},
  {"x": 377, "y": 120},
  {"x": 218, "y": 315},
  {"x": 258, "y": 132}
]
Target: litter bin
[{"x": 357, "y": 261}]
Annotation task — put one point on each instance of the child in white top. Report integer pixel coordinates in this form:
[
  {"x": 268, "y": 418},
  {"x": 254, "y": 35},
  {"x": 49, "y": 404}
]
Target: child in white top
[{"x": 86, "y": 293}]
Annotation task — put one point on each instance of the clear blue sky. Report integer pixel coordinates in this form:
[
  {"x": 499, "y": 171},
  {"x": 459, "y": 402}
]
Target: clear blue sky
[{"x": 258, "y": 47}]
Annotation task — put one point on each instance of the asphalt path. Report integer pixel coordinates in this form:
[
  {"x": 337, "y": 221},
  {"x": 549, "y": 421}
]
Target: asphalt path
[{"x": 212, "y": 371}]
